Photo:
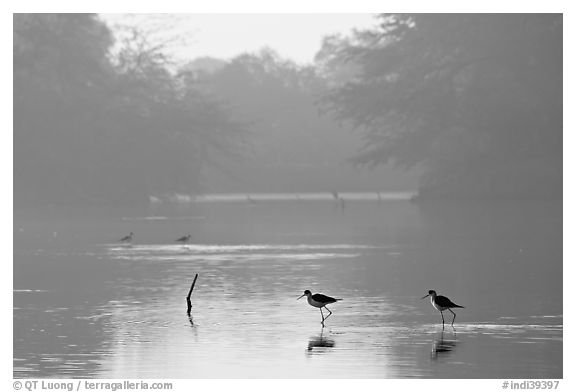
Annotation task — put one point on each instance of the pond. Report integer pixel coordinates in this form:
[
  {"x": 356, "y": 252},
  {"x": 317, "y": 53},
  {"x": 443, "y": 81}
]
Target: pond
[{"x": 88, "y": 306}]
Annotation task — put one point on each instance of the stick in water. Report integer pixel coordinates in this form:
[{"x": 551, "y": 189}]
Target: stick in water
[{"x": 189, "y": 294}]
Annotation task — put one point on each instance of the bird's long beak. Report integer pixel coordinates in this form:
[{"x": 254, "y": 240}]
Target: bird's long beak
[
  {"x": 300, "y": 296},
  {"x": 427, "y": 295}
]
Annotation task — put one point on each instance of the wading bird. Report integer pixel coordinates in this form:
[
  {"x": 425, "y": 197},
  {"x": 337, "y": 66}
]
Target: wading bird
[
  {"x": 320, "y": 301},
  {"x": 185, "y": 239},
  {"x": 442, "y": 303},
  {"x": 128, "y": 238}
]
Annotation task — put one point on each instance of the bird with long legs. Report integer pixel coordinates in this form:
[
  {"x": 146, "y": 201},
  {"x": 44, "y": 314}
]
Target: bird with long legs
[
  {"x": 442, "y": 303},
  {"x": 320, "y": 301},
  {"x": 127, "y": 239},
  {"x": 185, "y": 239}
]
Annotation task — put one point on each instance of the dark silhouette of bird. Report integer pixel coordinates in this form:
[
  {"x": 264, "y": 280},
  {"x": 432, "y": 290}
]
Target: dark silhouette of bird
[
  {"x": 320, "y": 301},
  {"x": 127, "y": 238},
  {"x": 185, "y": 239},
  {"x": 442, "y": 303}
]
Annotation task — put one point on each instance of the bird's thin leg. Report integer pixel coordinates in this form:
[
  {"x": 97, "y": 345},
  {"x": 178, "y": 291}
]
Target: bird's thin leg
[
  {"x": 328, "y": 311},
  {"x": 442, "y": 314},
  {"x": 322, "y": 317},
  {"x": 454, "y": 316}
]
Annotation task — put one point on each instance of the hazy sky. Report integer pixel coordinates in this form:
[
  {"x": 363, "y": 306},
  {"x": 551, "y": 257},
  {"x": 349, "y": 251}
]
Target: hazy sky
[{"x": 294, "y": 36}]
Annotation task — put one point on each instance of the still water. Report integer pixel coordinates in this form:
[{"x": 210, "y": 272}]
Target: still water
[{"x": 87, "y": 306}]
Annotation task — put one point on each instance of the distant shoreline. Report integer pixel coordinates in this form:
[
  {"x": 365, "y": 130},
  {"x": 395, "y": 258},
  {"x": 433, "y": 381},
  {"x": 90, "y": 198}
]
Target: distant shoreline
[{"x": 298, "y": 196}]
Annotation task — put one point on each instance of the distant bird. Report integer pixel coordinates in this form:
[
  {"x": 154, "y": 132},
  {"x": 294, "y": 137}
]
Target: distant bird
[
  {"x": 442, "y": 303},
  {"x": 320, "y": 301},
  {"x": 340, "y": 200},
  {"x": 250, "y": 200},
  {"x": 128, "y": 238},
  {"x": 185, "y": 239}
]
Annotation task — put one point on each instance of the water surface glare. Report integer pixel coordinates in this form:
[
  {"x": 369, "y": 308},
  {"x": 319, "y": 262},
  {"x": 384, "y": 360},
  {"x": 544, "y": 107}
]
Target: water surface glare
[{"x": 86, "y": 306}]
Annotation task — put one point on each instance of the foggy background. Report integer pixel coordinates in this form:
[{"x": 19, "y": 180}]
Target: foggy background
[
  {"x": 367, "y": 157},
  {"x": 453, "y": 106}
]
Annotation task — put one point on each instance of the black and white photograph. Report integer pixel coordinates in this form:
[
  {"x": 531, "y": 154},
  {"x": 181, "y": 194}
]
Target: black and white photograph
[{"x": 318, "y": 195}]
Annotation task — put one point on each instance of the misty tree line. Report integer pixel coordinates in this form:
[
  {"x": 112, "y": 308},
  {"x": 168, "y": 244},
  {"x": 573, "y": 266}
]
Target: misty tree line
[
  {"x": 92, "y": 126},
  {"x": 474, "y": 100}
]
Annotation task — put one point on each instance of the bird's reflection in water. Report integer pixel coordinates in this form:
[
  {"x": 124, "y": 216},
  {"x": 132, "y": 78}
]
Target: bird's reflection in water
[
  {"x": 444, "y": 343},
  {"x": 319, "y": 344}
]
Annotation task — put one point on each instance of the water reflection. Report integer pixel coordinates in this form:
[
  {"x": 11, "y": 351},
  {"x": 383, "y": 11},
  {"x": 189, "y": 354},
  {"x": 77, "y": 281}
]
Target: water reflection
[
  {"x": 85, "y": 308},
  {"x": 320, "y": 344},
  {"x": 443, "y": 344}
]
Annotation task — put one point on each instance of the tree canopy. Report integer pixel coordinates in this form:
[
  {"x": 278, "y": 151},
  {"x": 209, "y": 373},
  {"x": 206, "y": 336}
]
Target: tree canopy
[
  {"x": 476, "y": 99},
  {"x": 294, "y": 148},
  {"x": 95, "y": 126},
  {"x": 472, "y": 100}
]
